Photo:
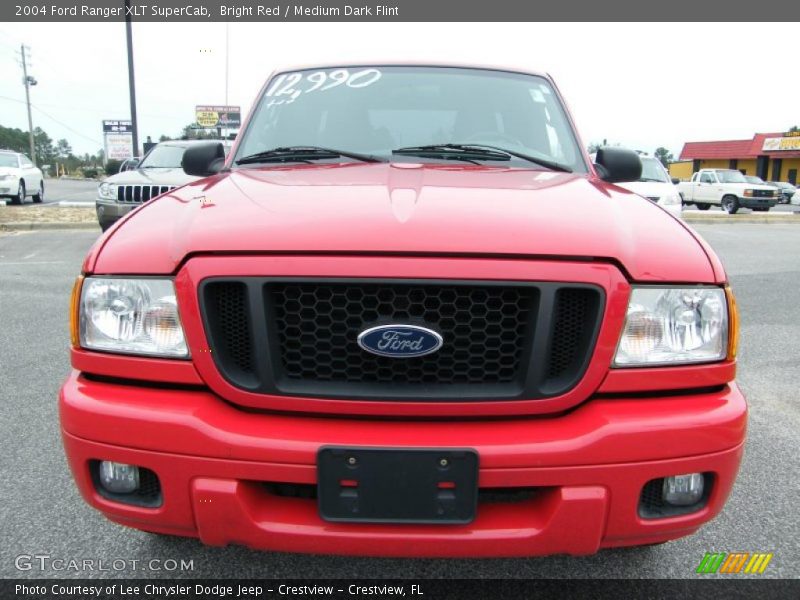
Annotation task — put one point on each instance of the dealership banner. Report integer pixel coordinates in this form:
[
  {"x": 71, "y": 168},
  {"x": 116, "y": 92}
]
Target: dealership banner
[
  {"x": 401, "y": 11},
  {"x": 210, "y": 117}
]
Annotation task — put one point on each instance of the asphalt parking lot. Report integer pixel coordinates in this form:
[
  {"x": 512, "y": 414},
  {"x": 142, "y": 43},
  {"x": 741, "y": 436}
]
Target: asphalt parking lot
[
  {"x": 66, "y": 190},
  {"x": 42, "y": 513}
]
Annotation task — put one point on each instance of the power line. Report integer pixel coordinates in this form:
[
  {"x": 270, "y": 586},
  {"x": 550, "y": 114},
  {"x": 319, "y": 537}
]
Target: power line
[
  {"x": 67, "y": 127},
  {"x": 52, "y": 118}
]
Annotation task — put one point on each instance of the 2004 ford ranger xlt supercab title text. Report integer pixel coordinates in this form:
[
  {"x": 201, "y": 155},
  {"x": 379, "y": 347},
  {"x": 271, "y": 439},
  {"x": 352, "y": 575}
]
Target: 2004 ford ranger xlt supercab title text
[{"x": 405, "y": 317}]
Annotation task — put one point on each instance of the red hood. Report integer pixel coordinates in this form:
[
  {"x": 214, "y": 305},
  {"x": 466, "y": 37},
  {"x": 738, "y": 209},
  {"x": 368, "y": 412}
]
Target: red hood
[{"x": 402, "y": 208}]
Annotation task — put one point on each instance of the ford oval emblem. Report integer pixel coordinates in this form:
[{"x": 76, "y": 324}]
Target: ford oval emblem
[{"x": 400, "y": 341}]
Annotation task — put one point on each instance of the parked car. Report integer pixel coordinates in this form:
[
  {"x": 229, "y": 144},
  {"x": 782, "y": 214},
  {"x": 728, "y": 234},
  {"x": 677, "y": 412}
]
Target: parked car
[
  {"x": 338, "y": 339},
  {"x": 139, "y": 182},
  {"x": 795, "y": 201},
  {"x": 727, "y": 188},
  {"x": 19, "y": 178},
  {"x": 787, "y": 190},
  {"x": 656, "y": 185}
]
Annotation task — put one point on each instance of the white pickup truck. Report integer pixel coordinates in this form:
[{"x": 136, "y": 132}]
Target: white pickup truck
[{"x": 726, "y": 188}]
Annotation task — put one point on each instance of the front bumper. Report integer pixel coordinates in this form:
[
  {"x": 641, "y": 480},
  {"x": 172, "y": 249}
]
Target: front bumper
[
  {"x": 588, "y": 467},
  {"x": 110, "y": 211},
  {"x": 757, "y": 202}
]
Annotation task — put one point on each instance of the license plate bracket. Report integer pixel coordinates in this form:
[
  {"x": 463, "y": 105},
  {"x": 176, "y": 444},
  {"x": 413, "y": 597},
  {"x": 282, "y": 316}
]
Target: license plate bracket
[{"x": 390, "y": 485}]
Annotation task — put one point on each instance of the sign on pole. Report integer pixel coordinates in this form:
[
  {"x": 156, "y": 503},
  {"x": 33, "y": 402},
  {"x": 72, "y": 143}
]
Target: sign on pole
[
  {"x": 212, "y": 117},
  {"x": 117, "y": 139}
]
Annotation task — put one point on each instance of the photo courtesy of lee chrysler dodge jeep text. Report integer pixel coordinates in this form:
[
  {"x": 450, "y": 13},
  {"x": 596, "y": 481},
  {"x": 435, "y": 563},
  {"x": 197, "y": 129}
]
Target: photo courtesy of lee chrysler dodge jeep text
[{"x": 406, "y": 316}]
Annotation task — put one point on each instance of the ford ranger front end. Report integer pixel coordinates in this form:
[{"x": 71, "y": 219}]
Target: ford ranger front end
[{"x": 406, "y": 317}]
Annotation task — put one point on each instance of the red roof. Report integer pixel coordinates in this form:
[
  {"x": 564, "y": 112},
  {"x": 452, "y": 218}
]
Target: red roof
[
  {"x": 707, "y": 150},
  {"x": 733, "y": 149}
]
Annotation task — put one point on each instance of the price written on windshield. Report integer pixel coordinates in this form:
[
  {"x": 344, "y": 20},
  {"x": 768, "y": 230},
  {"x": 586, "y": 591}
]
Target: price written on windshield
[{"x": 288, "y": 87}]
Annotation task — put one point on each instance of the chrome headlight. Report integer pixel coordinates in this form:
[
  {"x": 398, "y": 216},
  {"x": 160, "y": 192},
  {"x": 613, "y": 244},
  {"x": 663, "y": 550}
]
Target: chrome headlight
[
  {"x": 665, "y": 326},
  {"x": 107, "y": 191},
  {"x": 131, "y": 316}
]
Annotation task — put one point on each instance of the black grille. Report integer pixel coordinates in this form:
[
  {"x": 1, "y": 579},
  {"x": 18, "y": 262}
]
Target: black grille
[
  {"x": 141, "y": 193},
  {"x": 231, "y": 331},
  {"x": 308, "y": 491},
  {"x": 501, "y": 340},
  {"x": 484, "y": 331},
  {"x": 574, "y": 315},
  {"x": 763, "y": 193}
]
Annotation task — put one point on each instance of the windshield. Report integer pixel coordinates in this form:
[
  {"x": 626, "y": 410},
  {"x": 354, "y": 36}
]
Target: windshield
[
  {"x": 652, "y": 170},
  {"x": 730, "y": 177},
  {"x": 753, "y": 179},
  {"x": 8, "y": 160},
  {"x": 163, "y": 156},
  {"x": 374, "y": 110}
]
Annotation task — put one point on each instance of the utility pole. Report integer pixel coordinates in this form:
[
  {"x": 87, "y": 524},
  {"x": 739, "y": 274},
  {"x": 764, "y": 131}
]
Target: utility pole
[
  {"x": 227, "y": 48},
  {"x": 28, "y": 82},
  {"x": 131, "y": 82}
]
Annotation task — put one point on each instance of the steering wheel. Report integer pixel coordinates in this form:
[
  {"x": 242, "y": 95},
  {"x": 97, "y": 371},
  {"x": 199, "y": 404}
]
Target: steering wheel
[{"x": 483, "y": 136}]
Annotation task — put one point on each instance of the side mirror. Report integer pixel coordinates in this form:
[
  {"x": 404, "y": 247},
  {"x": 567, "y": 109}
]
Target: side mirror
[
  {"x": 203, "y": 160},
  {"x": 675, "y": 181},
  {"x": 129, "y": 164},
  {"x": 616, "y": 165}
]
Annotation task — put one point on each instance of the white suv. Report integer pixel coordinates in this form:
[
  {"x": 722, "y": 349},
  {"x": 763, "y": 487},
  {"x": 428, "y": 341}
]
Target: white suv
[
  {"x": 656, "y": 185},
  {"x": 19, "y": 178}
]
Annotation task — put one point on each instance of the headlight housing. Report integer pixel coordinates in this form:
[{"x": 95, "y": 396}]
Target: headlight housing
[
  {"x": 3, "y": 177},
  {"x": 107, "y": 191},
  {"x": 131, "y": 316},
  {"x": 673, "y": 325}
]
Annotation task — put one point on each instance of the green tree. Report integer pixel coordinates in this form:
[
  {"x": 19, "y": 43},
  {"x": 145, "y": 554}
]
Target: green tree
[
  {"x": 14, "y": 139},
  {"x": 664, "y": 155},
  {"x": 45, "y": 153},
  {"x": 63, "y": 149},
  {"x": 194, "y": 132},
  {"x": 112, "y": 167}
]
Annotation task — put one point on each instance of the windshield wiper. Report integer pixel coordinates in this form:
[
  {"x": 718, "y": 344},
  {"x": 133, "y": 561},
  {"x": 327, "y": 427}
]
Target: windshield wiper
[
  {"x": 479, "y": 152},
  {"x": 452, "y": 152},
  {"x": 303, "y": 154}
]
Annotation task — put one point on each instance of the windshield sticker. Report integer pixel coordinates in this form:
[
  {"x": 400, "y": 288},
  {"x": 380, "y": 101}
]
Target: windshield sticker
[{"x": 288, "y": 87}]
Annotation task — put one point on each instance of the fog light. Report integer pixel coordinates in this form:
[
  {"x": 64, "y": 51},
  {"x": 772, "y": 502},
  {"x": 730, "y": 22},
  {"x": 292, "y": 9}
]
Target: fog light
[
  {"x": 683, "y": 490},
  {"x": 119, "y": 478}
]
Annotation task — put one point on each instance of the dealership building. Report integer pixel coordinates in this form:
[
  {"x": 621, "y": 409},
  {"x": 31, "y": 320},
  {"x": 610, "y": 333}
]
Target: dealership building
[{"x": 771, "y": 156}]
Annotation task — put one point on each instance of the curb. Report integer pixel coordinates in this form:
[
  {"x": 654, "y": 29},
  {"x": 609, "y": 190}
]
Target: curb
[
  {"x": 732, "y": 220},
  {"x": 76, "y": 204},
  {"x": 34, "y": 226}
]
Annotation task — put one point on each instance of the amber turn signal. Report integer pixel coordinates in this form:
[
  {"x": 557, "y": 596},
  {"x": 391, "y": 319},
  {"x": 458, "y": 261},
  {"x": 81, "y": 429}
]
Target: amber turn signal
[
  {"x": 74, "y": 312},
  {"x": 733, "y": 320}
]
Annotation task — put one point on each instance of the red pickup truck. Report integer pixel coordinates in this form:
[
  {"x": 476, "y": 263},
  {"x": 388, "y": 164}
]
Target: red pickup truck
[{"x": 406, "y": 316}]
